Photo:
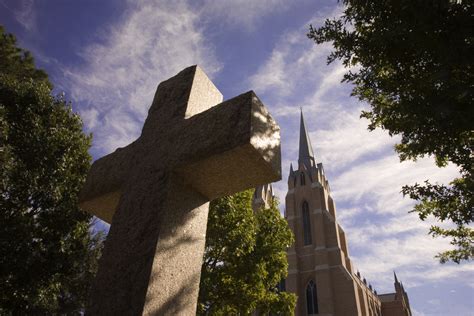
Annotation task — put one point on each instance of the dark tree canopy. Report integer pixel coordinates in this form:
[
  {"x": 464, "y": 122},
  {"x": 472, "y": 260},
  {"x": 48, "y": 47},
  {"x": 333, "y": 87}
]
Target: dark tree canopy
[
  {"x": 47, "y": 253},
  {"x": 412, "y": 62},
  {"x": 18, "y": 62},
  {"x": 245, "y": 259}
]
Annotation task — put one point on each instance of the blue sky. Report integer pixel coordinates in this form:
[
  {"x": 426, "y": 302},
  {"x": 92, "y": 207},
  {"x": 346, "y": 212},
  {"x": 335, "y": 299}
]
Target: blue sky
[{"x": 108, "y": 57}]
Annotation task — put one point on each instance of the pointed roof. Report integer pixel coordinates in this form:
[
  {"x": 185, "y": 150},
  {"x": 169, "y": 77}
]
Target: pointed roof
[
  {"x": 262, "y": 196},
  {"x": 305, "y": 150},
  {"x": 395, "y": 276}
]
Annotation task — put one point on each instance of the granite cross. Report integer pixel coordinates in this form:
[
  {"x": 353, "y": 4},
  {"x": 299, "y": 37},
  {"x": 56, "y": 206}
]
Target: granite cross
[{"x": 156, "y": 191}]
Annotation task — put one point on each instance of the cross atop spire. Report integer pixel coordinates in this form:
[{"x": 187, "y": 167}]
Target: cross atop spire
[{"x": 306, "y": 154}]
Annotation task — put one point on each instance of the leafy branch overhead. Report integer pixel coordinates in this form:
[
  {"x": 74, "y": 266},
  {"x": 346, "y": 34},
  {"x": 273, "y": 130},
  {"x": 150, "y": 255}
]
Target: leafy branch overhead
[{"x": 411, "y": 61}]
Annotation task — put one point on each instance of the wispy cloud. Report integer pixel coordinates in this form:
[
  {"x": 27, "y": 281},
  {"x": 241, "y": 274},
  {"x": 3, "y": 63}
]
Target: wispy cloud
[
  {"x": 365, "y": 173},
  {"x": 24, "y": 12},
  {"x": 411, "y": 254},
  {"x": 113, "y": 87},
  {"x": 292, "y": 66},
  {"x": 243, "y": 14},
  {"x": 380, "y": 181},
  {"x": 119, "y": 75},
  {"x": 155, "y": 39},
  {"x": 346, "y": 139},
  {"x": 26, "y": 15},
  {"x": 296, "y": 65}
]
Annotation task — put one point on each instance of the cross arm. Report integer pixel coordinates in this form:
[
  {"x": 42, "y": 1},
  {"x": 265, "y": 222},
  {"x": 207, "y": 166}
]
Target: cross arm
[
  {"x": 101, "y": 192},
  {"x": 236, "y": 146}
]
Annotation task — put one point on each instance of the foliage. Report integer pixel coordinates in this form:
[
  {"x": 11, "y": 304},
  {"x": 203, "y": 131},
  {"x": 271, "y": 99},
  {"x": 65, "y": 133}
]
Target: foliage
[
  {"x": 245, "y": 259},
  {"x": 47, "y": 253},
  {"x": 16, "y": 61},
  {"x": 412, "y": 62}
]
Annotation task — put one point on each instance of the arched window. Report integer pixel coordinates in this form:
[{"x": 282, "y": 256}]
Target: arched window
[
  {"x": 302, "y": 180},
  {"x": 306, "y": 225},
  {"x": 311, "y": 298}
]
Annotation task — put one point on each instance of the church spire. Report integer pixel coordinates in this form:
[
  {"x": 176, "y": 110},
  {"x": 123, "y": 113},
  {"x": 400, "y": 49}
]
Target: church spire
[{"x": 306, "y": 154}]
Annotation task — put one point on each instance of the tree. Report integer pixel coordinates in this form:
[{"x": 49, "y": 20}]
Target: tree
[
  {"x": 412, "y": 62},
  {"x": 18, "y": 62},
  {"x": 245, "y": 259},
  {"x": 47, "y": 252}
]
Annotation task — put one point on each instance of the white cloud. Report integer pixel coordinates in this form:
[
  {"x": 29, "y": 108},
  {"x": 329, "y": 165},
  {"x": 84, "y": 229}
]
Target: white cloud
[
  {"x": 26, "y": 15},
  {"x": 380, "y": 181},
  {"x": 346, "y": 139},
  {"x": 91, "y": 116},
  {"x": 296, "y": 64},
  {"x": 241, "y": 13},
  {"x": 365, "y": 173},
  {"x": 292, "y": 67},
  {"x": 417, "y": 313},
  {"x": 295, "y": 74},
  {"x": 272, "y": 74},
  {"x": 155, "y": 40},
  {"x": 410, "y": 253},
  {"x": 378, "y": 226},
  {"x": 363, "y": 230}
]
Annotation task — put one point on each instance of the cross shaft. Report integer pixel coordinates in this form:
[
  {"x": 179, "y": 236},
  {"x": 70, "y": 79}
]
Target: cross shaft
[{"x": 155, "y": 192}]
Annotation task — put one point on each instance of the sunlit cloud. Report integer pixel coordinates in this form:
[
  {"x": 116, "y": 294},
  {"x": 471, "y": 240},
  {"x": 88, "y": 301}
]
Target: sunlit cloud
[
  {"x": 364, "y": 172},
  {"x": 346, "y": 139},
  {"x": 119, "y": 75},
  {"x": 114, "y": 85},
  {"x": 379, "y": 181}
]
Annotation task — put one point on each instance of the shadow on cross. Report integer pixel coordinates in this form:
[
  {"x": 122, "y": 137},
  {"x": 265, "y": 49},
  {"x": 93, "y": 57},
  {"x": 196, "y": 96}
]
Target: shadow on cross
[
  {"x": 156, "y": 192},
  {"x": 177, "y": 304},
  {"x": 149, "y": 251}
]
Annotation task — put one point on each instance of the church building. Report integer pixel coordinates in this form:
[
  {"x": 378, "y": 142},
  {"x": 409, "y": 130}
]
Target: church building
[{"x": 320, "y": 271}]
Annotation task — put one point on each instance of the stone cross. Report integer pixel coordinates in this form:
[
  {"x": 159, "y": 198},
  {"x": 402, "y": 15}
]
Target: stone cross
[{"x": 156, "y": 191}]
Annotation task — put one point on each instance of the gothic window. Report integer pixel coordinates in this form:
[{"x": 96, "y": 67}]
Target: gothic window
[
  {"x": 302, "y": 180},
  {"x": 311, "y": 298},
  {"x": 306, "y": 225}
]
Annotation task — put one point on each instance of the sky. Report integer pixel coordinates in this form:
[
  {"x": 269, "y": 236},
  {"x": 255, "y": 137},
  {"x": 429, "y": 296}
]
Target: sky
[{"x": 108, "y": 57}]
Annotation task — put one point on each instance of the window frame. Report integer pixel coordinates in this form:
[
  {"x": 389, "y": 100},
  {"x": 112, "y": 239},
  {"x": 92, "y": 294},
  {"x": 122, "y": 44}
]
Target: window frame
[
  {"x": 312, "y": 307},
  {"x": 307, "y": 235}
]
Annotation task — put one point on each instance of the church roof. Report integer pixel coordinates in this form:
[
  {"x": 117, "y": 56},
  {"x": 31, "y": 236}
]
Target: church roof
[
  {"x": 306, "y": 150},
  {"x": 389, "y": 297}
]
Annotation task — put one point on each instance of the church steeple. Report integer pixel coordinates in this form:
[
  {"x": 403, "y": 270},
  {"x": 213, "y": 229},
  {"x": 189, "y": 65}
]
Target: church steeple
[
  {"x": 306, "y": 155},
  {"x": 262, "y": 197}
]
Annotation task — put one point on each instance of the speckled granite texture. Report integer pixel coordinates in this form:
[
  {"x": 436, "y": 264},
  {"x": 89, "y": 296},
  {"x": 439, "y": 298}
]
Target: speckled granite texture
[{"x": 155, "y": 192}]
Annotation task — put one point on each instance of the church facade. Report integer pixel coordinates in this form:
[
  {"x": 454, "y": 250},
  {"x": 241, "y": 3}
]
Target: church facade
[{"x": 320, "y": 271}]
